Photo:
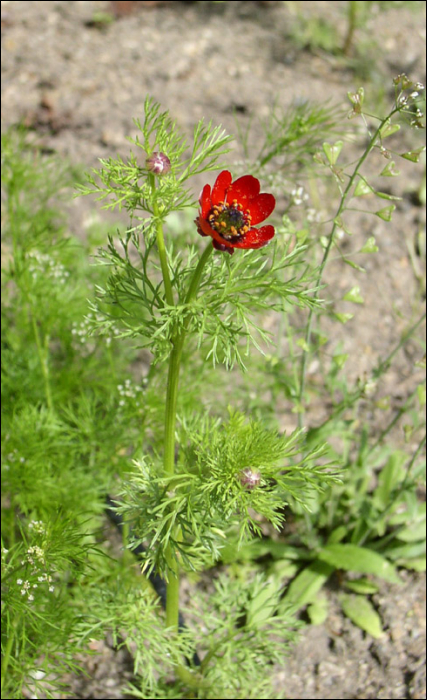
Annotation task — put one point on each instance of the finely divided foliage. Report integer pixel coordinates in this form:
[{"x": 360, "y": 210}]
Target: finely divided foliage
[{"x": 189, "y": 459}]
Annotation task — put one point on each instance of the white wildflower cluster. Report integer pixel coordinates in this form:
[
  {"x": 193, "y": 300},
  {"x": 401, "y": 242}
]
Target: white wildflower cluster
[
  {"x": 129, "y": 393},
  {"x": 35, "y": 565},
  {"x": 88, "y": 327},
  {"x": 37, "y": 526},
  {"x": 314, "y": 216},
  {"x": 5, "y": 562},
  {"x": 26, "y": 588},
  {"x": 29, "y": 587},
  {"x": 34, "y": 556},
  {"x": 114, "y": 333},
  {"x": 299, "y": 196},
  {"x": 11, "y": 459},
  {"x": 43, "y": 265},
  {"x": 83, "y": 330},
  {"x": 277, "y": 184}
]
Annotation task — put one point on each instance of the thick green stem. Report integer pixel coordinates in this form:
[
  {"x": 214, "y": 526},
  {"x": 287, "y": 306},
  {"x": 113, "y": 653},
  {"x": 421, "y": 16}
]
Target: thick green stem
[
  {"x": 326, "y": 253},
  {"x": 161, "y": 247},
  {"x": 171, "y": 399},
  {"x": 172, "y": 595}
]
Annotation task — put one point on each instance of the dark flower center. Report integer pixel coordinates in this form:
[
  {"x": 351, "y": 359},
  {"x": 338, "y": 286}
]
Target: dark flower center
[{"x": 229, "y": 220}]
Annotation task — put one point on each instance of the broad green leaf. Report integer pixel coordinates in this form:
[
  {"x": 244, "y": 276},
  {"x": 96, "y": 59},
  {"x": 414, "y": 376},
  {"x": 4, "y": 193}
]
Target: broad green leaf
[
  {"x": 413, "y": 533},
  {"x": 332, "y": 151},
  {"x": 337, "y": 535},
  {"x": 390, "y": 476},
  {"x": 307, "y": 584},
  {"x": 318, "y": 610},
  {"x": 361, "y": 611},
  {"x": 351, "y": 557},
  {"x": 386, "y": 213},
  {"x": 283, "y": 569},
  {"x": 362, "y": 586},
  {"x": 406, "y": 551},
  {"x": 413, "y": 513},
  {"x": 249, "y": 551},
  {"x": 413, "y": 564},
  {"x": 370, "y": 246},
  {"x": 354, "y": 296},
  {"x": 421, "y": 393}
]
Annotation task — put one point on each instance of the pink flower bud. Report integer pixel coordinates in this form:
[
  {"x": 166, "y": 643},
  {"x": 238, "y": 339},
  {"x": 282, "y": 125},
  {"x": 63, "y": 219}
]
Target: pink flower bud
[
  {"x": 158, "y": 163},
  {"x": 249, "y": 478}
]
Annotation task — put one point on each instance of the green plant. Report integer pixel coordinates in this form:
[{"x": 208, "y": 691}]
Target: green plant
[
  {"x": 374, "y": 520},
  {"x": 185, "y": 444}
]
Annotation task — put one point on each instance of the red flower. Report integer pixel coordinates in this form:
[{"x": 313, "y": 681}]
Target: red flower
[{"x": 230, "y": 211}]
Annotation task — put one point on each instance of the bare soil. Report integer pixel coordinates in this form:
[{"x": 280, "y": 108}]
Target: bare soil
[{"x": 78, "y": 80}]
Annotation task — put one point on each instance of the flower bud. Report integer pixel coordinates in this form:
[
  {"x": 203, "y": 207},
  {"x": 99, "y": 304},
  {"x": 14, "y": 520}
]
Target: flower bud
[
  {"x": 158, "y": 163},
  {"x": 249, "y": 478}
]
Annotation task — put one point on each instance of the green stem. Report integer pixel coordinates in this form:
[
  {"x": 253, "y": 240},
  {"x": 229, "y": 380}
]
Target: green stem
[
  {"x": 8, "y": 651},
  {"x": 377, "y": 372},
  {"x": 171, "y": 400},
  {"x": 43, "y": 354},
  {"x": 328, "y": 248},
  {"x": 172, "y": 594},
  {"x": 161, "y": 246},
  {"x": 395, "y": 419}
]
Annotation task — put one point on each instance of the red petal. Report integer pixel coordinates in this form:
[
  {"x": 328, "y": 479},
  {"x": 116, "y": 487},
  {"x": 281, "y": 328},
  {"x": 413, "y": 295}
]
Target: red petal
[
  {"x": 222, "y": 183},
  {"x": 205, "y": 228},
  {"x": 261, "y": 207},
  {"x": 244, "y": 190},
  {"x": 223, "y": 248},
  {"x": 256, "y": 237},
  {"x": 205, "y": 201}
]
